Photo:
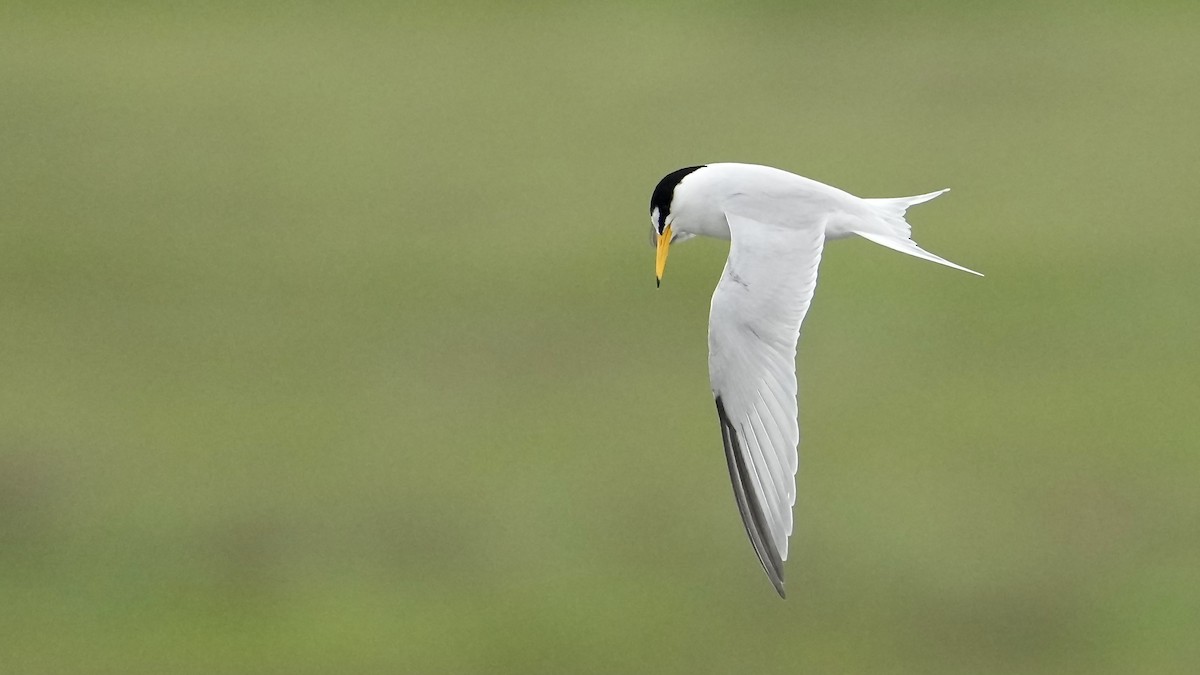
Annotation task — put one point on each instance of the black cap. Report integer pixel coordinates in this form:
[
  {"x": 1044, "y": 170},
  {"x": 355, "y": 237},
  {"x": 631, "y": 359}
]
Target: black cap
[{"x": 665, "y": 191}]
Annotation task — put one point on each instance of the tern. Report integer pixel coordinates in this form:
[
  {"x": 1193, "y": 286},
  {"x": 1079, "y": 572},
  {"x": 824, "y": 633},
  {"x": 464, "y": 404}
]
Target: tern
[{"x": 777, "y": 223}]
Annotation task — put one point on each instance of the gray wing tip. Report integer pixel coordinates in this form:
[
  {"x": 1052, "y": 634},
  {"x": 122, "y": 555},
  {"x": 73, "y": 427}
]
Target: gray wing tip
[{"x": 748, "y": 504}]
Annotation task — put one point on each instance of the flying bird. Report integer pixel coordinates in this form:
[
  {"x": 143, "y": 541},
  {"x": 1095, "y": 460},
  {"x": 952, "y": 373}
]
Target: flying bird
[{"x": 777, "y": 224}]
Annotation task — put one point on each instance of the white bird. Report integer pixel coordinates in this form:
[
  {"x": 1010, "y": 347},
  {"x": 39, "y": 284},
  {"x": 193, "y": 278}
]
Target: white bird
[{"x": 777, "y": 224}]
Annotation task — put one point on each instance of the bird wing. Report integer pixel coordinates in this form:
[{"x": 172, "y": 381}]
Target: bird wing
[{"x": 753, "y": 327}]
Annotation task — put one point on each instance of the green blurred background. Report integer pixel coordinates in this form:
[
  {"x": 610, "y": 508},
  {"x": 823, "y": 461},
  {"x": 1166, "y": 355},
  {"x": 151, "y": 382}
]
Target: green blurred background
[{"x": 329, "y": 340}]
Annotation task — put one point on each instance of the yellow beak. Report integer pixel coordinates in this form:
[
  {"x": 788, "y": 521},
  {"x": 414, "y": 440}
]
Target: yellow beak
[{"x": 660, "y": 260}]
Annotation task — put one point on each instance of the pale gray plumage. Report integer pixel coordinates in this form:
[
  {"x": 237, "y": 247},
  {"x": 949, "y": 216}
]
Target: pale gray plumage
[{"x": 777, "y": 224}]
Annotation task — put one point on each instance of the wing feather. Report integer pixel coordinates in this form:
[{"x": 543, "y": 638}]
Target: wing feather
[
  {"x": 765, "y": 478},
  {"x": 748, "y": 502},
  {"x": 754, "y": 324}
]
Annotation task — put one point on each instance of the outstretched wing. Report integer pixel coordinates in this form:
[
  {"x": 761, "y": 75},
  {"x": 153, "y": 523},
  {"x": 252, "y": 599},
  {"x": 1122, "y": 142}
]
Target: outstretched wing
[{"x": 753, "y": 327}]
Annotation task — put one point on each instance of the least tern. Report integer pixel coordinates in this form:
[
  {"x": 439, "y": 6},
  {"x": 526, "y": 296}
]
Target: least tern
[{"x": 777, "y": 224}]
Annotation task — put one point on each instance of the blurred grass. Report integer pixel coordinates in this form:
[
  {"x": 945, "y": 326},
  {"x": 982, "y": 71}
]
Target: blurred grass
[{"x": 329, "y": 342}]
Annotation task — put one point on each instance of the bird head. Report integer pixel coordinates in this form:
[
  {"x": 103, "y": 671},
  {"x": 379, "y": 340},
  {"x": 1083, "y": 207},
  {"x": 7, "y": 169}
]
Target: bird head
[{"x": 664, "y": 226}]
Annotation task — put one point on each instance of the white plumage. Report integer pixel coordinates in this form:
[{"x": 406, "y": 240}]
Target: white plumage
[{"x": 777, "y": 224}]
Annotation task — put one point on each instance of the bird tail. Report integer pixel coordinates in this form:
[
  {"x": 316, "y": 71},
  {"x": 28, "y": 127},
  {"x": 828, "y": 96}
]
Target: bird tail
[{"x": 888, "y": 227}]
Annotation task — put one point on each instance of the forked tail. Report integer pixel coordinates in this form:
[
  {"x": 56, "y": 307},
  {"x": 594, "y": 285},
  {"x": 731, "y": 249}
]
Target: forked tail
[{"x": 889, "y": 228}]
